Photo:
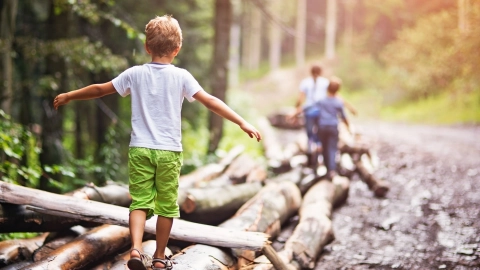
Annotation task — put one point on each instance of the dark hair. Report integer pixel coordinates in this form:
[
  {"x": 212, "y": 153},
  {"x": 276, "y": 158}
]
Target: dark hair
[{"x": 316, "y": 69}]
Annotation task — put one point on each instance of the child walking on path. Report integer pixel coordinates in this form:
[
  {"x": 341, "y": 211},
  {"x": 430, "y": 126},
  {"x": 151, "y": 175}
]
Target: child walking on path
[
  {"x": 330, "y": 109},
  {"x": 157, "y": 91}
]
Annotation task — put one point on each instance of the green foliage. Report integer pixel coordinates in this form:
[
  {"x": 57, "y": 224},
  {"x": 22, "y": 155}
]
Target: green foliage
[
  {"x": 110, "y": 154},
  {"x": 18, "y": 153},
  {"x": 22, "y": 235}
]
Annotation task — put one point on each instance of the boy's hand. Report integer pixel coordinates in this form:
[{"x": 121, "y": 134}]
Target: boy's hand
[
  {"x": 60, "y": 100},
  {"x": 251, "y": 131}
]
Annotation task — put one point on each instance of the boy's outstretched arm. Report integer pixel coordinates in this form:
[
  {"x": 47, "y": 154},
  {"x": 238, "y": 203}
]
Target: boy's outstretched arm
[
  {"x": 89, "y": 92},
  {"x": 219, "y": 107}
]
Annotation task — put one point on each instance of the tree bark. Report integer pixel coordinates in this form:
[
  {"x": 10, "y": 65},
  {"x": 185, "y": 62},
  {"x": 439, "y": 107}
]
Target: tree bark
[
  {"x": 209, "y": 171},
  {"x": 16, "y": 218},
  {"x": 19, "y": 249},
  {"x": 110, "y": 214},
  {"x": 8, "y": 13},
  {"x": 214, "y": 205},
  {"x": 52, "y": 242},
  {"x": 364, "y": 170},
  {"x": 265, "y": 212},
  {"x": 331, "y": 29},
  {"x": 314, "y": 229},
  {"x": 201, "y": 257},
  {"x": 223, "y": 23},
  {"x": 300, "y": 33},
  {"x": 85, "y": 249},
  {"x": 120, "y": 261}
]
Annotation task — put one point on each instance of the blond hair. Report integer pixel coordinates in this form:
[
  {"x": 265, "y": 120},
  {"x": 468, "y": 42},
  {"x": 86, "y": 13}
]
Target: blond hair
[{"x": 163, "y": 35}]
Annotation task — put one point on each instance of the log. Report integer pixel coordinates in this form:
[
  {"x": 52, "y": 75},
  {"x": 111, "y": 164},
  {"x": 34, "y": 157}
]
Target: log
[
  {"x": 12, "y": 251},
  {"x": 85, "y": 249},
  {"x": 209, "y": 171},
  {"x": 272, "y": 147},
  {"x": 216, "y": 204},
  {"x": 16, "y": 218},
  {"x": 314, "y": 229},
  {"x": 364, "y": 170},
  {"x": 120, "y": 261},
  {"x": 265, "y": 212},
  {"x": 112, "y": 193},
  {"x": 243, "y": 169},
  {"x": 72, "y": 207},
  {"x": 280, "y": 120},
  {"x": 202, "y": 257},
  {"x": 52, "y": 242}
]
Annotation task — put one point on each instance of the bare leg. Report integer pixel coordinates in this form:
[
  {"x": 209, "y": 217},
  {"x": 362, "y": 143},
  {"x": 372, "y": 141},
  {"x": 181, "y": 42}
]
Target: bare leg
[
  {"x": 164, "y": 225},
  {"x": 137, "y": 226}
]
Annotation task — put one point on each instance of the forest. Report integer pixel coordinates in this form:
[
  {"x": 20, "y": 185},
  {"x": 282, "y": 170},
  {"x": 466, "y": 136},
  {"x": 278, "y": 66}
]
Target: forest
[{"x": 400, "y": 60}]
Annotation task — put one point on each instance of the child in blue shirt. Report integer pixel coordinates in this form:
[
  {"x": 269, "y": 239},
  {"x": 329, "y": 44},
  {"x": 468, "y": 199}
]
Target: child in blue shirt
[{"x": 331, "y": 109}]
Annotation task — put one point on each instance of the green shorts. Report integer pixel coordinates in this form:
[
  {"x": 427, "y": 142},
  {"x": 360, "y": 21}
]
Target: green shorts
[{"x": 153, "y": 180}]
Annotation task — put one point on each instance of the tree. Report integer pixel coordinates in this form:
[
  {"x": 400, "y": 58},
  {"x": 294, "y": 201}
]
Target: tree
[
  {"x": 331, "y": 29},
  {"x": 300, "y": 33},
  {"x": 8, "y": 13},
  {"x": 222, "y": 25}
]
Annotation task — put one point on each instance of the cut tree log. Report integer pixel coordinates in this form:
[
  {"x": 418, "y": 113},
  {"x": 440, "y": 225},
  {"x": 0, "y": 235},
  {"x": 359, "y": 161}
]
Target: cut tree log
[
  {"x": 213, "y": 205},
  {"x": 281, "y": 120},
  {"x": 16, "y": 218},
  {"x": 209, "y": 171},
  {"x": 202, "y": 257},
  {"x": 120, "y": 261},
  {"x": 85, "y": 249},
  {"x": 265, "y": 212},
  {"x": 111, "y": 214},
  {"x": 112, "y": 193},
  {"x": 364, "y": 170},
  {"x": 314, "y": 229},
  {"x": 53, "y": 241},
  {"x": 19, "y": 249}
]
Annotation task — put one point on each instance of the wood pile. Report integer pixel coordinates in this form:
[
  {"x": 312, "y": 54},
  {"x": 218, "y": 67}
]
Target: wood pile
[{"x": 232, "y": 213}]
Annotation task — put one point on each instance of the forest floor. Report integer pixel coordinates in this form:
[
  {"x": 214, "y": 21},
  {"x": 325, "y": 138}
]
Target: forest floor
[{"x": 430, "y": 218}]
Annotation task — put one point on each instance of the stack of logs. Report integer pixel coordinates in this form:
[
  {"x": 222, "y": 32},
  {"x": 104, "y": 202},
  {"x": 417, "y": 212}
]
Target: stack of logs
[{"x": 231, "y": 212}]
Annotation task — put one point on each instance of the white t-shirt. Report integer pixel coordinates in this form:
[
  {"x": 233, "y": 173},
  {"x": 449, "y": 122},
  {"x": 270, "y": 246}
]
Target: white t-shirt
[
  {"x": 314, "y": 91},
  {"x": 157, "y": 92}
]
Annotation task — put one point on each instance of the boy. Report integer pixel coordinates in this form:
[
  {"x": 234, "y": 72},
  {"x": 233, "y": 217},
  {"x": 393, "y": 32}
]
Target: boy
[
  {"x": 155, "y": 156},
  {"x": 330, "y": 109}
]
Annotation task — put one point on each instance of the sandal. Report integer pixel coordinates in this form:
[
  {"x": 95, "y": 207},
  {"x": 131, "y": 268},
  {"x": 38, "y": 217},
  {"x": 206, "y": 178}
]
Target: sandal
[
  {"x": 138, "y": 263},
  {"x": 167, "y": 263}
]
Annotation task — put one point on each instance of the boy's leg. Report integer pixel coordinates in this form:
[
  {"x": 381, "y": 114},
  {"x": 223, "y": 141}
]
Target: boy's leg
[
  {"x": 164, "y": 226},
  {"x": 332, "y": 149},
  {"x": 141, "y": 187},
  {"x": 136, "y": 224}
]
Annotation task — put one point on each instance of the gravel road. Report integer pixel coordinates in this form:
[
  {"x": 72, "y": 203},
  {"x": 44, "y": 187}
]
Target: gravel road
[{"x": 430, "y": 219}]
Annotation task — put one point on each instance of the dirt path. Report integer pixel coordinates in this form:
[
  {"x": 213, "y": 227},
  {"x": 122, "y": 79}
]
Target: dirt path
[{"x": 430, "y": 218}]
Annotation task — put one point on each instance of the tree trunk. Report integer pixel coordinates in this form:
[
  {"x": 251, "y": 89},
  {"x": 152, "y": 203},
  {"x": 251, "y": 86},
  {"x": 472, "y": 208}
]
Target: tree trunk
[
  {"x": 314, "y": 229},
  {"x": 19, "y": 249},
  {"x": 85, "y": 249},
  {"x": 331, "y": 29},
  {"x": 110, "y": 214},
  {"x": 265, "y": 212},
  {"x": 209, "y": 171},
  {"x": 16, "y": 218},
  {"x": 275, "y": 38},
  {"x": 364, "y": 170},
  {"x": 8, "y": 13},
  {"x": 54, "y": 241},
  {"x": 300, "y": 33},
  {"x": 201, "y": 257},
  {"x": 215, "y": 205},
  {"x": 223, "y": 23},
  {"x": 120, "y": 261},
  {"x": 52, "y": 149}
]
